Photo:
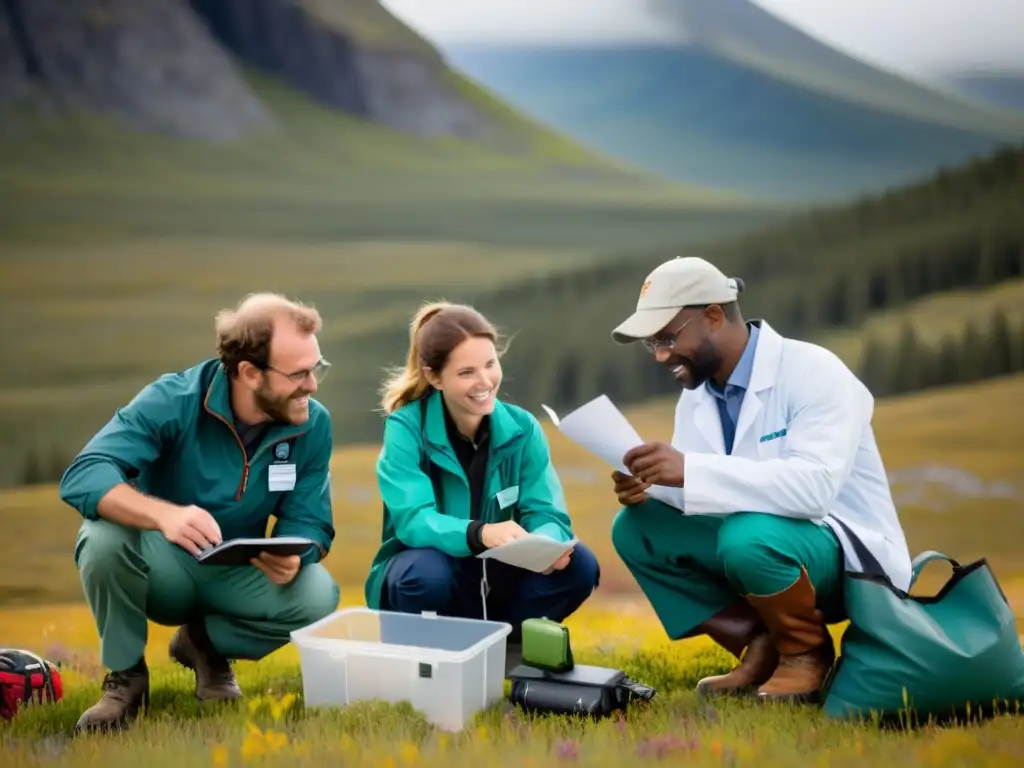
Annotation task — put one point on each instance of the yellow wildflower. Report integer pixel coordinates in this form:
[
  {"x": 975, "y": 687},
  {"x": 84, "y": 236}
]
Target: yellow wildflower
[
  {"x": 409, "y": 752},
  {"x": 255, "y": 704},
  {"x": 348, "y": 744},
  {"x": 220, "y": 756},
  {"x": 282, "y": 705},
  {"x": 259, "y": 743}
]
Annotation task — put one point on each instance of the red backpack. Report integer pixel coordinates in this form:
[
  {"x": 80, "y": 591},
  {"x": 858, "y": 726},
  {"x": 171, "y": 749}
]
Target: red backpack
[{"x": 26, "y": 678}]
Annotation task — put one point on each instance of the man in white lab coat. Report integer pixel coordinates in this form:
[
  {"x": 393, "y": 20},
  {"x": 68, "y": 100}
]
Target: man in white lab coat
[{"x": 773, "y": 466}]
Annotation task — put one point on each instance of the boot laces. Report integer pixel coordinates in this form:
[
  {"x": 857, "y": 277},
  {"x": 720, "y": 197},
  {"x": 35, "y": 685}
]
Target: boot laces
[{"x": 119, "y": 685}]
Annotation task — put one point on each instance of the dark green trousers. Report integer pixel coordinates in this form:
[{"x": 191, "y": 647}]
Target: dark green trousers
[
  {"x": 130, "y": 576},
  {"x": 690, "y": 567}
]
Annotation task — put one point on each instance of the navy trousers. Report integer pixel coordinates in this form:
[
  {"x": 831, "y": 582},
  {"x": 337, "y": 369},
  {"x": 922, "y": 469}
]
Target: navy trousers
[{"x": 427, "y": 579}]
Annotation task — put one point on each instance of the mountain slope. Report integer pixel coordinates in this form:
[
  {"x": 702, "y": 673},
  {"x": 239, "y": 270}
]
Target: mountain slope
[
  {"x": 696, "y": 117},
  {"x": 114, "y": 230},
  {"x": 749, "y": 34},
  {"x": 179, "y": 69},
  {"x": 742, "y": 101},
  {"x": 350, "y": 55},
  {"x": 150, "y": 65},
  {"x": 1005, "y": 89}
]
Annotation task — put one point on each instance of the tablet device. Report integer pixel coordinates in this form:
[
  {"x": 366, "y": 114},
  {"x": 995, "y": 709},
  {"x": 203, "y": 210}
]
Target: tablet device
[{"x": 241, "y": 551}]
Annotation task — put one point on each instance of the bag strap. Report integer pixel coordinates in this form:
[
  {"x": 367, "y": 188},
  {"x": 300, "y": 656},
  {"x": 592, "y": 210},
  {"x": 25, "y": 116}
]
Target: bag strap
[
  {"x": 868, "y": 561},
  {"x": 926, "y": 557}
]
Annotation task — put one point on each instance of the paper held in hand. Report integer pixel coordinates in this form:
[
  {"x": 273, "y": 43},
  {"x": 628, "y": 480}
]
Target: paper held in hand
[
  {"x": 604, "y": 430},
  {"x": 532, "y": 552}
]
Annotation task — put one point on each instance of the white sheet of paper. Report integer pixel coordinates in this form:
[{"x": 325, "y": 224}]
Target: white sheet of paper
[
  {"x": 601, "y": 428},
  {"x": 532, "y": 552},
  {"x": 605, "y": 431}
]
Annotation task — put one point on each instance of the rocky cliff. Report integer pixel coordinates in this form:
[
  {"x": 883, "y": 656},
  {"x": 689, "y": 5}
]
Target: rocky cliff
[
  {"x": 150, "y": 64},
  {"x": 15, "y": 62},
  {"x": 351, "y": 55},
  {"x": 176, "y": 67}
]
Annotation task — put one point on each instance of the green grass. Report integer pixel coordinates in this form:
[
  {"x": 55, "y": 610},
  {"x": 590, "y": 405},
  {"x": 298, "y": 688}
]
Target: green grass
[
  {"x": 974, "y": 429},
  {"x": 271, "y": 723}
]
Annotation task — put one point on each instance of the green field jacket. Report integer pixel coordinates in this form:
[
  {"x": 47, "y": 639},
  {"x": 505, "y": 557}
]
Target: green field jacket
[
  {"x": 176, "y": 441},
  {"x": 417, "y": 465}
]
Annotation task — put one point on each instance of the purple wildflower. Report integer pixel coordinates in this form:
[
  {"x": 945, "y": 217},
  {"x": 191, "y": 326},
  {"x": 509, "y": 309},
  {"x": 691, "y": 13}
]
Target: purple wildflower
[
  {"x": 661, "y": 746},
  {"x": 567, "y": 750}
]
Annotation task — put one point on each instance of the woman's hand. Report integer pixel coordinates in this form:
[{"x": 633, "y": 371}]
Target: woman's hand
[
  {"x": 496, "y": 534},
  {"x": 560, "y": 564}
]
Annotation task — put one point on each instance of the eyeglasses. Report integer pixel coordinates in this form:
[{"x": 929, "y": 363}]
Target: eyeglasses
[
  {"x": 652, "y": 344},
  {"x": 318, "y": 372}
]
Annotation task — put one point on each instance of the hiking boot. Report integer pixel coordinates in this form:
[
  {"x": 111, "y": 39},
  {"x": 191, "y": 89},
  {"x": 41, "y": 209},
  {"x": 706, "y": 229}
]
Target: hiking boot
[
  {"x": 191, "y": 648},
  {"x": 806, "y": 650},
  {"x": 124, "y": 693},
  {"x": 740, "y": 631}
]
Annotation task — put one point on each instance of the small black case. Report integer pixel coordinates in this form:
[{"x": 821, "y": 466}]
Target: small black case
[{"x": 583, "y": 690}]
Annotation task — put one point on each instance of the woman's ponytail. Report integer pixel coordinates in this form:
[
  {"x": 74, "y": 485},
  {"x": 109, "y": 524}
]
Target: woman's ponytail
[{"x": 404, "y": 385}]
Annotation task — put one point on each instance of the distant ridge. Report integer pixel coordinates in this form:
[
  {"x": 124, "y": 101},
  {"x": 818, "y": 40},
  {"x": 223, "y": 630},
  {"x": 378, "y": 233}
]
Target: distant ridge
[
  {"x": 744, "y": 102},
  {"x": 747, "y": 33}
]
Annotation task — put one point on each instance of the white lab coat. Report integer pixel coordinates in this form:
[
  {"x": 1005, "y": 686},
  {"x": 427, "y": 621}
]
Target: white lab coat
[{"x": 825, "y": 466}]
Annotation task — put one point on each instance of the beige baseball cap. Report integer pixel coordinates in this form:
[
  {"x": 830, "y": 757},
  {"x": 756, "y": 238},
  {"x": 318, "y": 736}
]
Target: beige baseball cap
[{"x": 684, "y": 281}]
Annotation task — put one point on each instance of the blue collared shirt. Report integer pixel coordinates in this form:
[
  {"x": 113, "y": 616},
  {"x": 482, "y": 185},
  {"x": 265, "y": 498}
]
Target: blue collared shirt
[{"x": 730, "y": 398}]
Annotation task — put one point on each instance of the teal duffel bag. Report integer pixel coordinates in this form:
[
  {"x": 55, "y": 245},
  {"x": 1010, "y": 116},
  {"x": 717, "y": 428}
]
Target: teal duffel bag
[{"x": 906, "y": 659}]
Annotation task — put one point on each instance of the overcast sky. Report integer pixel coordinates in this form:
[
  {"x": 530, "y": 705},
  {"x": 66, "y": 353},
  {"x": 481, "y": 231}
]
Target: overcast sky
[{"x": 914, "y": 36}]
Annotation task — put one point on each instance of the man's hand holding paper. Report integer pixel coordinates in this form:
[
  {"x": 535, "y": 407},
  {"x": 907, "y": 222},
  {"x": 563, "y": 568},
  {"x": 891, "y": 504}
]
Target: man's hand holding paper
[
  {"x": 629, "y": 490},
  {"x": 656, "y": 464},
  {"x": 603, "y": 430}
]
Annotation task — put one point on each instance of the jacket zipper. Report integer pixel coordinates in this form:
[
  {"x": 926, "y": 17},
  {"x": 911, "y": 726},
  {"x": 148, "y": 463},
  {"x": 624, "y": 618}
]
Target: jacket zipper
[{"x": 245, "y": 456}]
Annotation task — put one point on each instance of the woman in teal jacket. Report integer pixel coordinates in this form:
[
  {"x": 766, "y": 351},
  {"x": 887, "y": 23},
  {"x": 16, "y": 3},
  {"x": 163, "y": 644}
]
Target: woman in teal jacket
[{"x": 459, "y": 472}]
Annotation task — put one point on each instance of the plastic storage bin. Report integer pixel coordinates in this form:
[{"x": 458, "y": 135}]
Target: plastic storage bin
[{"x": 447, "y": 668}]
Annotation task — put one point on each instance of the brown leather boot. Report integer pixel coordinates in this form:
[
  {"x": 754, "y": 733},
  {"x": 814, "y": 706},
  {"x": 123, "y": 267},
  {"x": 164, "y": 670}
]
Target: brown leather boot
[
  {"x": 125, "y": 692},
  {"x": 191, "y": 648},
  {"x": 740, "y": 631},
  {"x": 806, "y": 650}
]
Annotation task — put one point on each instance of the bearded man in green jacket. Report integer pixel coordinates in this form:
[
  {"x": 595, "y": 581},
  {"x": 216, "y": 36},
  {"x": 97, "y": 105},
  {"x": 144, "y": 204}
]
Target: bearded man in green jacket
[{"x": 197, "y": 458}]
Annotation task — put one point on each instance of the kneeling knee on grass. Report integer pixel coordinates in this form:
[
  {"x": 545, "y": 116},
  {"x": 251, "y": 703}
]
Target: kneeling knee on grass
[
  {"x": 716, "y": 560},
  {"x": 459, "y": 472}
]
